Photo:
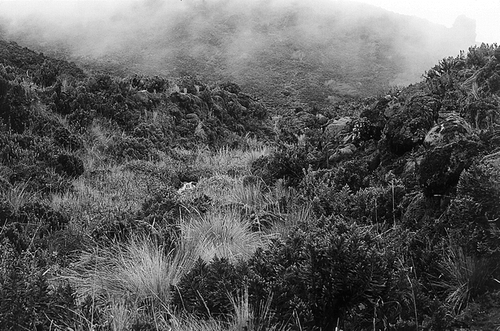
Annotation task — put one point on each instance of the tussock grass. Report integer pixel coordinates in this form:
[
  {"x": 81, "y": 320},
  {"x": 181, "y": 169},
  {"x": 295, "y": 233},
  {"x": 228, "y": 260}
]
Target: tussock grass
[
  {"x": 139, "y": 270},
  {"x": 18, "y": 195},
  {"x": 226, "y": 161},
  {"x": 218, "y": 187},
  {"x": 191, "y": 323},
  {"x": 247, "y": 317},
  {"x": 243, "y": 314},
  {"x": 222, "y": 233},
  {"x": 96, "y": 199},
  {"x": 464, "y": 277},
  {"x": 300, "y": 214},
  {"x": 98, "y": 139}
]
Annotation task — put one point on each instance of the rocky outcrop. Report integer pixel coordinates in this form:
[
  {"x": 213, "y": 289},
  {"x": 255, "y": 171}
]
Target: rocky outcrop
[{"x": 453, "y": 128}]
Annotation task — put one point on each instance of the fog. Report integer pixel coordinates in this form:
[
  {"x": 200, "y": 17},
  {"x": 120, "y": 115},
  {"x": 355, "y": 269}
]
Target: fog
[{"x": 313, "y": 50}]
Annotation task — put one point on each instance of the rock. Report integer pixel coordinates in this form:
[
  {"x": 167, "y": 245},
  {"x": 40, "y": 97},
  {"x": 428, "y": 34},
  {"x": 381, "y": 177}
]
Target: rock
[
  {"x": 343, "y": 152},
  {"x": 374, "y": 161},
  {"x": 375, "y": 113},
  {"x": 322, "y": 120},
  {"x": 189, "y": 186},
  {"x": 453, "y": 128},
  {"x": 306, "y": 119},
  {"x": 407, "y": 129},
  {"x": 492, "y": 160},
  {"x": 199, "y": 132},
  {"x": 336, "y": 127},
  {"x": 441, "y": 166},
  {"x": 364, "y": 130},
  {"x": 193, "y": 118}
]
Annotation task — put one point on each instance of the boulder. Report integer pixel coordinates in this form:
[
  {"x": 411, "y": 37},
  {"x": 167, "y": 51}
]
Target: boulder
[
  {"x": 408, "y": 128},
  {"x": 343, "y": 152},
  {"x": 322, "y": 119},
  {"x": 441, "y": 166},
  {"x": 336, "y": 127},
  {"x": 453, "y": 128},
  {"x": 492, "y": 160}
]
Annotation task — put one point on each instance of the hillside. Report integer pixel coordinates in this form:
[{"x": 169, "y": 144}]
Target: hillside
[
  {"x": 137, "y": 202},
  {"x": 289, "y": 54}
]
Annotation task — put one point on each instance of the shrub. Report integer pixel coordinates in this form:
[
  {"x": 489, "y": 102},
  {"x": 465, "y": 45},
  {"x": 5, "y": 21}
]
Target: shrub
[
  {"x": 288, "y": 163},
  {"x": 69, "y": 165},
  {"x": 33, "y": 223},
  {"x": 49, "y": 219},
  {"x": 46, "y": 74},
  {"x": 28, "y": 302},
  {"x": 441, "y": 167},
  {"x": 321, "y": 271},
  {"x": 125, "y": 148},
  {"x": 65, "y": 138},
  {"x": 205, "y": 291},
  {"x": 13, "y": 108}
]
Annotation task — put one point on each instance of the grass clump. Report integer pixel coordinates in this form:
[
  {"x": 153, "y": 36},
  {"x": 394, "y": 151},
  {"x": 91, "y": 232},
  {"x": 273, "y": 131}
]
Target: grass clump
[{"x": 222, "y": 234}]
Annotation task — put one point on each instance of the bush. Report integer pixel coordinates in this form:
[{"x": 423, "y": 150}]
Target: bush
[
  {"x": 69, "y": 165},
  {"x": 34, "y": 223},
  {"x": 65, "y": 138},
  {"x": 28, "y": 302},
  {"x": 206, "y": 290},
  {"x": 288, "y": 163},
  {"x": 163, "y": 211},
  {"x": 13, "y": 108},
  {"x": 441, "y": 167},
  {"x": 322, "y": 271},
  {"x": 131, "y": 148}
]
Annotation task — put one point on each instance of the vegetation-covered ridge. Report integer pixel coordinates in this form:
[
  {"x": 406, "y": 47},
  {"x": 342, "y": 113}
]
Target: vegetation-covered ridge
[
  {"x": 291, "y": 53},
  {"x": 141, "y": 203}
]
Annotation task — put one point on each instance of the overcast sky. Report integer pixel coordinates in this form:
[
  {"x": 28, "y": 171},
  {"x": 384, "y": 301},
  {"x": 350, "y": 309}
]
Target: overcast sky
[{"x": 485, "y": 12}]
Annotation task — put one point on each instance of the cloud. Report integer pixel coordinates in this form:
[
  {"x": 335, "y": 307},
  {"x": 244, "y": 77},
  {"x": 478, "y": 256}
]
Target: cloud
[{"x": 273, "y": 42}]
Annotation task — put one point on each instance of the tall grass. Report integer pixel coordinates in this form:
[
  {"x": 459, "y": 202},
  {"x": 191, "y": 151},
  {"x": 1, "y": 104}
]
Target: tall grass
[
  {"x": 138, "y": 270},
  {"x": 104, "y": 197},
  {"x": 18, "y": 195},
  {"x": 298, "y": 215},
  {"x": 464, "y": 276},
  {"x": 246, "y": 317},
  {"x": 235, "y": 162},
  {"x": 223, "y": 234}
]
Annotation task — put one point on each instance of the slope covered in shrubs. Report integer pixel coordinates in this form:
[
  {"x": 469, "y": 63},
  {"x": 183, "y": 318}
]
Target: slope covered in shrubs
[
  {"x": 143, "y": 203},
  {"x": 296, "y": 53}
]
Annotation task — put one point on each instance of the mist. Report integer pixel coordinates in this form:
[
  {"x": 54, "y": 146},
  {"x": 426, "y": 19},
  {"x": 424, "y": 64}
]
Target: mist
[{"x": 290, "y": 51}]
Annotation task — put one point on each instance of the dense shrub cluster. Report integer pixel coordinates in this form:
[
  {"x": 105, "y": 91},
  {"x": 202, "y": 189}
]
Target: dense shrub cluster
[{"x": 391, "y": 217}]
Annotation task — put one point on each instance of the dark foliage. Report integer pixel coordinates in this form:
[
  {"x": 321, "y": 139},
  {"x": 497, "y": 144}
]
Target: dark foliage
[
  {"x": 27, "y": 301},
  {"x": 321, "y": 272},
  {"x": 206, "y": 290},
  {"x": 69, "y": 165},
  {"x": 288, "y": 163},
  {"x": 34, "y": 224},
  {"x": 441, "y": 167}
]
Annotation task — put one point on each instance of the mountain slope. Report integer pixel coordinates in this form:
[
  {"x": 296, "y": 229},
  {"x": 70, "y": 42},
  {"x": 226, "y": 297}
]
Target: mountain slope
[{"x": 290, "y": 54}]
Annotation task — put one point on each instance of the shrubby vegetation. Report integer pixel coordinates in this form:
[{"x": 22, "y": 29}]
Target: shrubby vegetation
[{"x": 142, "y": 203}]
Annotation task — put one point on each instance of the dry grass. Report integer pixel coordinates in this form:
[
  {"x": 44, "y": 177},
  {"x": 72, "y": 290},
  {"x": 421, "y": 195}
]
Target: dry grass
[
  {"x": 191, "y": 323},
  {"x": 223, "y": 234},
  {"x": 235, "y": 162},
  {"x": 18, "y": 195},
  {"x": 139, "y": 271},
  {"x": 464, "y": 276},
  {"x": 105, "y": 196},
  {"x": 299, "y": 214}
]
